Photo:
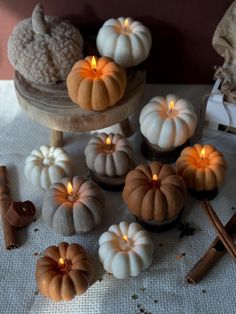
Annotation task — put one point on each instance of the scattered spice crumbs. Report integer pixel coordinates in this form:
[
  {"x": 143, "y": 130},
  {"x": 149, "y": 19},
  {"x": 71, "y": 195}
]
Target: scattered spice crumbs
[
  {"x": 180, "y": 256},
  {"x": 36, "y": 253},
  {"x": 36, "y": 229},
  {"x": 155, "y": 301},
  {"x": 134, "y": 297},
  {"x": 204, "y": 291},
  {"x": 36, "y": 292},
  {"x": 185, "y": 229},
  {"x": 143, "y": 289}
]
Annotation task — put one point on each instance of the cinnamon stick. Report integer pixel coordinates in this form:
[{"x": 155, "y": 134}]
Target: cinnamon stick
[
  {"x": 211, "y": 256},
  {"x": 9, "y": 232},
  {"x": 222, "y": 233}
]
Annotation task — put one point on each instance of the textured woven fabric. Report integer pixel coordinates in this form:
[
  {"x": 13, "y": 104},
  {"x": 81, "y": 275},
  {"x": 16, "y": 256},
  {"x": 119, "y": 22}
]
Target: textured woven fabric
[{"x": 159, "y": 289}]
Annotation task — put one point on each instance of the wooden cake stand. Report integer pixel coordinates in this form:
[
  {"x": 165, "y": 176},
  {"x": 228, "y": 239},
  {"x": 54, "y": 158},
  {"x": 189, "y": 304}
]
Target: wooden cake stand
[{"x": 51, "y": 107}]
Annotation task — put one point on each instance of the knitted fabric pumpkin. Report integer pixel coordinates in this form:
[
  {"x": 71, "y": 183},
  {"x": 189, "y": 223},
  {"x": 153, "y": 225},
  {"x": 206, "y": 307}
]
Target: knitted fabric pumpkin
[
  {"x": 154, "y": 192},
  {"x": 96, "y": 87},
  {"x": 63, "y": 272},
  {"x": 44, "y": 48}
]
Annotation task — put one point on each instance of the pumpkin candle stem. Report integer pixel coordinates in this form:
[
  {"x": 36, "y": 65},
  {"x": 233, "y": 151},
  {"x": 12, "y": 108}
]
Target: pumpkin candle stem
[{"x": 38, "y": 20}]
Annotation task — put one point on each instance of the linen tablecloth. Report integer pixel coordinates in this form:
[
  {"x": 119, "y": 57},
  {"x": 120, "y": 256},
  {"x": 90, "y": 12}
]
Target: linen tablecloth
[{"x": 159, "y": 289}]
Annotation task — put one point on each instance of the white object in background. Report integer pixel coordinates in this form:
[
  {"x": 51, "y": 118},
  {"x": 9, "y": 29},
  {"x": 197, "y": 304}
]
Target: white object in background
[
  {"x": 216, "y": 112},
  {"x": 125, "y": 250}
]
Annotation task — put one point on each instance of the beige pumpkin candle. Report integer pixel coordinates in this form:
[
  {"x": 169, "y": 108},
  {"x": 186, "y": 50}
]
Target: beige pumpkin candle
[
  {"x": 96, "y": 84},
  {"x": 109, "y": 157},
  {"x": 71, "y": 207},
  {"x": 125, "y": 250},
  {"x": 126, "y": 41},
  {"x": 203, "y": 169},
  {"x": 63, "y": 272},
  {"x": 155, "y": 194},
  {"x": 166, "y": 124}
]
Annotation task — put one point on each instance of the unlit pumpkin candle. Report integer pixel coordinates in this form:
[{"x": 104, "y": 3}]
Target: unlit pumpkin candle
[
  {"x": 126, "y": 41},
  {"x": 203, "y": 169},
  {"x": 96, "y": 84},
  {"x": 64, "y": 272},
  {"x": 125, "y": 250}
]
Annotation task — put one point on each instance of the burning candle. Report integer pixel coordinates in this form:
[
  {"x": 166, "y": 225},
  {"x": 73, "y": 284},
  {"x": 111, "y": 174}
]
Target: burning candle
[
  {"x": 126, "y": 41},
  {"x": 64, "y": 272},
  {"x": 125, "y": 250},
  {"x": 96, "y": 83},
  {"x": 166, "y": 124},
  {"x": 203, "y": 169},
  {"x": 109, "y": 157}
]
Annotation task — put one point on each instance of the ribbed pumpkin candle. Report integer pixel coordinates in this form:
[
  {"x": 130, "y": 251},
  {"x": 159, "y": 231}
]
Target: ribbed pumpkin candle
[
  {"x": 125, "y": 250},
  {"x": 203, "y": 169},
  {"x": 126, "y": 41},
  {"x": 96, "y": 84}
]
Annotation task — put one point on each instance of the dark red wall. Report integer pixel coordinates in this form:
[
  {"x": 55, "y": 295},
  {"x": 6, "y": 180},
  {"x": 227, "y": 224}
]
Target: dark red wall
[{"x": 182, "y": 31}]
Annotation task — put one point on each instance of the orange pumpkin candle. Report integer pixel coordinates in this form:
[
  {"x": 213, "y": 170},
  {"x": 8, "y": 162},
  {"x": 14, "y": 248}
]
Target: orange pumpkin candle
[
  {"x": 155, "y": 194},
  {"x": 63, "y": 272},
  {"x": 96, "y": 84},
  {"x": 203, "y": 168}
]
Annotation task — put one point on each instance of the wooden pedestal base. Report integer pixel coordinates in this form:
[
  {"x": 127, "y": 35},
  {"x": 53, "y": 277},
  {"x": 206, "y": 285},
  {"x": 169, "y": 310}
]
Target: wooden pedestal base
[
  {"x": 109, "y": 183},
  {"x": 201, "y": 195},
  {"x": 50, "y": 106},
  {"x": 152, "y": 153},
  {"x": 160, "y": 227}
]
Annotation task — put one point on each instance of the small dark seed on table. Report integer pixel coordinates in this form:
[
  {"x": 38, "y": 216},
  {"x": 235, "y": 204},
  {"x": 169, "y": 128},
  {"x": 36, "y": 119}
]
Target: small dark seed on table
[
  {"x": 204, "y": 291},
  {"x": 35, "y": 230},
  {"x": 134, "y": 297},
  {"x": 36, "y": 254}
]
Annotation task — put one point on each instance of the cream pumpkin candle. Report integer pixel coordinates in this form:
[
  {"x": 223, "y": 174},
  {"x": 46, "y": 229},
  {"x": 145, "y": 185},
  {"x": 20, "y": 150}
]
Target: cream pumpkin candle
[
  {"x": 126, "y": 41},
  {"x": 96, "y": 84},
  {"x": 125, "y": 250},
  {"x": 203, "y": 169},
  {"x": 166, "y": 124},
  {"x": 63, "y": 272},
  {"x": 155, "y": 194},
  {"x": 47, "y": 165},
  {"x": 109, "y": 157},
  {"x": 71, "y": 207}
]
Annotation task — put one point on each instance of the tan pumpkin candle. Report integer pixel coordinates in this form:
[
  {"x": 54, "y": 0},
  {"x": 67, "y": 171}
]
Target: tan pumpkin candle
[
  {"x": 109, "y": 157},
  {"x": 96, "y": 84},
  {"x": 63, "y": 272},
  {"x": 155, "y": 194},
  {"x": 202, "y": 167},
  {"x": 71, "y": 207}
]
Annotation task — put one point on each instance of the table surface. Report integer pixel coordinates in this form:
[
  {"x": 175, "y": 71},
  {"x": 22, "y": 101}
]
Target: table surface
[{"x": 159, "y": 289}]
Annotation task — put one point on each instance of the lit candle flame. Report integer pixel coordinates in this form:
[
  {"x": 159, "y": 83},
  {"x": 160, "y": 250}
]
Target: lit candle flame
[
  {"x": 202, "y": 154},
  {"x": 126, "y": 23},
  {"x": 61, "y": 261},
  {"x": 108, "y": 141},
  {"x": 154, "y": 177},
  {"x": 171, "y": 105},
  {"x": 69, "y": 188},
  {"x": 125, "y": 238},
  {"x": 94, "y": 63}
]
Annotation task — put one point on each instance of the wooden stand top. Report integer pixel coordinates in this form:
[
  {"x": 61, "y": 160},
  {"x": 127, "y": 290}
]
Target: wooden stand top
[{"x": 51, "y": 106}]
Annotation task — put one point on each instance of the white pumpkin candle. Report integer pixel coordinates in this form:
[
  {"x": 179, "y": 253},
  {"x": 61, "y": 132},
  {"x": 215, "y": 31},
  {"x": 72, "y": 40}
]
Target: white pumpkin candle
[
  {"x": 109, "y": 155},
  {"x": 125, "y": 250},
  {"x": 126, "y": 41},
  {"x": 47, "y": 165},
  {"x": 168, "y": 122}
]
